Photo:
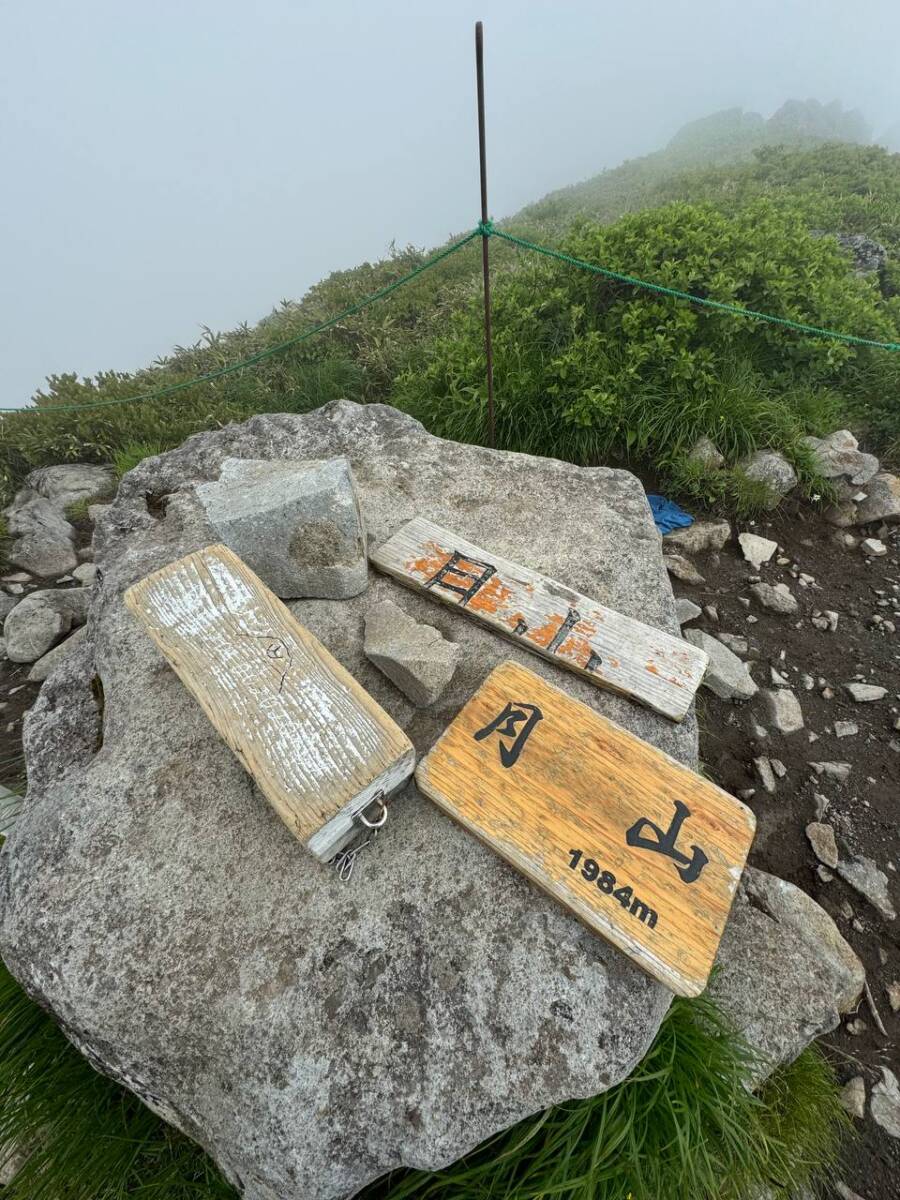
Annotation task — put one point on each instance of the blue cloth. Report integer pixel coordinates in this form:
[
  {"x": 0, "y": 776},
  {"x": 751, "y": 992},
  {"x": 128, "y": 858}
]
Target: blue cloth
[{"x": 667, "y": 514}]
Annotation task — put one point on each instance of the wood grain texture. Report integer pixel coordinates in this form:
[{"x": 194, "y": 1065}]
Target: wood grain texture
[
  {"x": 315, "y": 741},
  {"x": 580, "y": 783},
  {"x": 611, "y": 650}
]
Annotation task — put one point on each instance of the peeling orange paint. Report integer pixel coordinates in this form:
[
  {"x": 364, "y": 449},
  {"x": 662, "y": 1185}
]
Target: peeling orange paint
[
  {"x": 489, "y": 598},
  {"x": 513, "y": 620},
  {"x": 544, "y": 634},
  {"x": 431, "y": 562}
]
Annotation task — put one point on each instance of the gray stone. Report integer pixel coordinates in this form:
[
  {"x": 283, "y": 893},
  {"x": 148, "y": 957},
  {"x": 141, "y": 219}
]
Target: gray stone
[
  {"x": 756, "y": 549},
  {"x": 726, "y": 675},
  {"x": 210, "y": 963},
  {"x": 734, "y": 642},
  {"x": 893, "y": 995},
  {"x": 882, "y": 501},
  {"x": 777, "y": 597},
  {"x": 96, "y": 511},
  {"x": 699, "y": 537},
  {"x": 783, "y": 710},
  {"x": 8, "y": 603},
  {"x": 40, "y": 619},
  {"x": 52, "y": 659},
  {"x": 874, "y": 547},
  {"x": 867, "y": 255},
  {"x": 85, "y": 573},
  {"x": 839, "y": 459},
  {"x": 707, "y": 453},
  {"x": 686, "y": 610},
  {"x": 314, "y": 1035},
  {"x": 844, "y": 729},
  {"x": 799, "y": 979},
  {"x": 865, "y": 693},
  {"x": 682, "y": 568},
  {"x": 835, "y": 770},
  {"x": 766, "y": 775},
  {"x": 885, "y": 1103},
  {"x": 297, "y": 524},
  {"x": 853, "y": 1097},
  {"x": 865, "y": 877},
  {"x": 772, "y": 469},
  {"x": 43, "y": 539},
  {"x": 414, "y": 656},
  {"x": 821, "y": 838},
  {"x": 66, "y": 484}
]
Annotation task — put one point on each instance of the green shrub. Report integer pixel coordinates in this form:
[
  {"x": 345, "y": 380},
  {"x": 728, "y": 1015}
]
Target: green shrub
[
  {"x": 683, "y": 1126},
  {"x": 589, "y": 369}
]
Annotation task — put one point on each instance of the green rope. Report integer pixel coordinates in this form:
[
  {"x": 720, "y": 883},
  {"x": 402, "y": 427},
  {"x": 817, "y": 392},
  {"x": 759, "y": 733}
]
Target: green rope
[
  {"x": 482, "y": 229},
  {"x": 487, "y": 229},
  {"x": 171, "y": 388}
]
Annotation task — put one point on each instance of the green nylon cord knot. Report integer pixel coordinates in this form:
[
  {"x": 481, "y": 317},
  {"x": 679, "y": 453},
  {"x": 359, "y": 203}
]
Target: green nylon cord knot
[{"x": 486, "y": 228}]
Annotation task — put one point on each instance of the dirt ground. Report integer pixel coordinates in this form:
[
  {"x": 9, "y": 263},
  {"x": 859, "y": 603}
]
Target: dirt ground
[{"x": 864, "y": 810}]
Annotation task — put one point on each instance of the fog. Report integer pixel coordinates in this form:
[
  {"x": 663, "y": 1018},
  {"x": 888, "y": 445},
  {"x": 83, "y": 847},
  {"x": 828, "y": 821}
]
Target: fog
[{"x": 173, "y": 165}]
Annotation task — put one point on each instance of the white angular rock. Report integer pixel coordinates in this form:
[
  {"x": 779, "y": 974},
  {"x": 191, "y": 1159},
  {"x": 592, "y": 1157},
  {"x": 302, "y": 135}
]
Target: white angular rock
[
  {"x": 839, "y": 459},
  {"x": 865, "y": 877},
  {"x": 866, "y": 693},
  {"x": 414, "y": 656},
  {"x": 765, "y": 773},
  {"x": 726, "y": 675},
  {"x": 844, "y": 729},
  {"x": 699, "y": 537},
  {"x": 821, "y": 838},
  {"x": 777, "y": 597},
  {"x": 882, "y": 501},
  {"x": 874, "y": 547},
  {"x": 783, "y": 710},
  {"x": 835, "y": 770},
  {"x": 885, "y": 1103},
  {"x": 756, "y": 549},
  {"x": 52, "y": 659},
  {"x": 298, "y": 525},
  {"x": 686, "y": 610},
  {"x": 772, "y": 469}
]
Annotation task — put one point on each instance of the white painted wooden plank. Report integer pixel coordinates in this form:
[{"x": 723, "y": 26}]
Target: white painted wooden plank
[
  {"x": 611, "y": 650},
  {"x": 320, "y": 748}
]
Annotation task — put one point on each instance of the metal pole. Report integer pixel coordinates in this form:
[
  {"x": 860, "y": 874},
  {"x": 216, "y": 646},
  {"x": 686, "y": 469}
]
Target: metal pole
[{"x": 485, "y": 239}]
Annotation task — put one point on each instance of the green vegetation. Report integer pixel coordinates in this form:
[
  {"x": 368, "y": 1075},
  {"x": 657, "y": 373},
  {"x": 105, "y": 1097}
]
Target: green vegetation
[
  {"x": 682, "y": 1127},
  {"x": 589, "y": 369}
]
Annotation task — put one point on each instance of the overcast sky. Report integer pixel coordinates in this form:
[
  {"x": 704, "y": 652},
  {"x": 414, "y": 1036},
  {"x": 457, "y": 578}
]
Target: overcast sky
[{"x": 170, "y": 164}]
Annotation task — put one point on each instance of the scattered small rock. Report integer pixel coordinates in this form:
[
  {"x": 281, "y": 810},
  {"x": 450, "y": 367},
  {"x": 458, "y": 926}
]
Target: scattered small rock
[
  {"x": 882, "y": 501},
  {"x": 865, "y": 693},
  {"x": 821, "y": 838},
  {"x": 844, "y": 729},
  {"x": 85, "y": 573},
  {"x": 865, "y": 877},
  {"x": 711, "y": 612},
  {"x": 874, "y": 547},
  {"x": 686, "y": 610},
  {"x": 885, "y": 1103},
  {"x": 856, "y": 1026},
  {"x": 778, "y": 767},
  {"x": 853, "y": 1097},
  {"x": 766, "y": 774},
  {"x": 837, "y": 770},
  {"x": 777, "y": 597},
  {"x": 726, "y": 675},
  {"x": 682, "y": 568},
  {"x": 893, "y": 995},
  {"x": 699, "y": 537},
  {"x": 756, "y": 549},
  {"x": 783, "y": 710}
]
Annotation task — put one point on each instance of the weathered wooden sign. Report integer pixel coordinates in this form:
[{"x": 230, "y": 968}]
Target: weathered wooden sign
[
  {"x": 644, "y": 851},
  {"x": 320, "y": 748},
  {"x": 611, "y": 650}
]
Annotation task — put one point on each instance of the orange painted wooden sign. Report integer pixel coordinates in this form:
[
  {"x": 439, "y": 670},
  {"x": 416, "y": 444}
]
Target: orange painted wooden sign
[
  {"x": 611, "y": 650},
  {"x": 643, "y": 850}
]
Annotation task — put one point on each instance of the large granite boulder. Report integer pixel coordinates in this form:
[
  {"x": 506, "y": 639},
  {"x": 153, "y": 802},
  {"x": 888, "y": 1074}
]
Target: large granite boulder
[
  {"x": 44, "y": 539},
  {"x": 313, "y": 1034}
]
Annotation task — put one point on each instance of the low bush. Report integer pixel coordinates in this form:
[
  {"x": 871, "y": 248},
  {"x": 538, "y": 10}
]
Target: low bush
[{"x": 590, "y": 369}]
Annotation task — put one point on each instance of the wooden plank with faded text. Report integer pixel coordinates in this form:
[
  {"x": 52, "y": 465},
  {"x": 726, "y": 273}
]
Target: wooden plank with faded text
[
  {"x": 643, "y": 850},
  {"x": 611, "y": 650},
  {"x": 320, "y": 748}
]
